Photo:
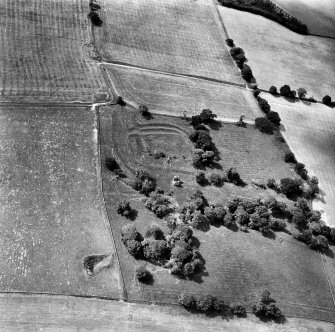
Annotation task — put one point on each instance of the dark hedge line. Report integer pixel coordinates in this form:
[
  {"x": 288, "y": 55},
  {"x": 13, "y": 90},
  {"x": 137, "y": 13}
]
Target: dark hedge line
[{"x": 269, "y": 10}]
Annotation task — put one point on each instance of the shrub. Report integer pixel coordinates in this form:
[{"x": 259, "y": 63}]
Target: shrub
[
  {"x": 230, "y": 42},
  {"x": 204, "y": 302},
  {"x": 300, "y": 169},
  {"x": 233, "y": 176},
  {"x": 273, "y": 90},
  {"x": 264, "y": 307},
  {"x": 301, "y": 93},
  {"x": 327, "y": 100},
  {"x": 299, "y": 218},
  {"x": 142, "y": 274},
  {"x": 207, "y": 116},
  {"x": 292, "y": 94},
  {"x": 272, "y": 184},
  {"x": 285, "y": 91},
  {"x": 241, "y": 216},
  {"x": 246, "y": 73},
  {"x": 277, "y": 224},
  {"x": 119, "y": 101},
  {"x": 238, "y": 310},
  {"x": 235, "y": 51},
  {"x": 274, "y": 117},
  {"x": 195, "y": 120},
  {"x": 155, "y": 232},
  {"x": 201, "y": 178},
  {"x": 159, "y": 204},
  {"x": 215, "y": 179},
  {"x": 111, "y": 164},
  {"x": 290, "y": 157},
  {"x": 124, "y": 209},
  {"x": 264, "y": 125},
  {"x": 319, "y": 242}
]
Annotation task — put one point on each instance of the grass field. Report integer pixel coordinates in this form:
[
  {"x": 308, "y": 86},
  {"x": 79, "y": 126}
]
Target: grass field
[
  {"x": 319, "y": 16},
  {"x": 172, "y": 95},
  {"x": 177, "y": 36},
  {"x": 42, "y": 55},
  {"x": 51, "y": 215},
  {"x": 73, "y": 314},
  {"x": 309, "y": 131},
  {"x": 279, "y": 56},
  {"x": 238, "y": 265}
]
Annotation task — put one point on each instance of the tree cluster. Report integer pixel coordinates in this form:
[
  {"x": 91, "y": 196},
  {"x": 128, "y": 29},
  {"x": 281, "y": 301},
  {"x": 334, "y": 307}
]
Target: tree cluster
[
  {"x": 144, "y": 182},
  {"x": 269, "y": 10},
  {"x": 206, "y": 116},
  {"x": 201, "y": 303},
  {"x": 272, "y": 116},
  {"x": 266, "y": 308}
]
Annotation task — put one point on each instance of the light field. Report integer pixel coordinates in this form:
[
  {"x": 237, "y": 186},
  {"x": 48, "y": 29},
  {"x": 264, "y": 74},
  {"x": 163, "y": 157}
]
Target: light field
[
  {"x": 278, "y": 56},
  {"x": 172, "y": 95},
  {"x": 238, "y": 265},
  {"x": 309, "y": 131},
  {"x": 42, "y": 54},
  {"x": 319, "y": 16},
  {"x": 51, "y": 215},
  {"x": 178, "y": 36}
]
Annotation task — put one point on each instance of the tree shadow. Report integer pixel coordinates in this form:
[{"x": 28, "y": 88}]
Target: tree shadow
[
  {"x": 215, "y": 125},
  {"x": 329, "y": 253},
  {"x": 147, "y": 116},
  {"x": 291, "y": 100},
  {"x": 270, "y": 234},
  {"x": 232, "y": 227},
  {"x": 279, "y": 320}
]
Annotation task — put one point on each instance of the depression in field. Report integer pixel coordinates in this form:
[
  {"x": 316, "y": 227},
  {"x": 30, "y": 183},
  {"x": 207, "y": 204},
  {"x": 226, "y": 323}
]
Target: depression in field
[{"x": 167, "y": 165}]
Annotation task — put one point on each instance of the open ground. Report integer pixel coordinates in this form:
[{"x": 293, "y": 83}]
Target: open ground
[
  {"x": 172, "y": 95},
  {"x": 72, "y": 314},
  {"x": 42, "y": 52},
  {"x": 309, "y": 131},
  {"x": 238, "y": 265},
  {"x": 278, "y": 56},
  {"x": 51, "y": 211},
  {"x": 317, "y": 15},
  {"x": 177, "y": 36}
]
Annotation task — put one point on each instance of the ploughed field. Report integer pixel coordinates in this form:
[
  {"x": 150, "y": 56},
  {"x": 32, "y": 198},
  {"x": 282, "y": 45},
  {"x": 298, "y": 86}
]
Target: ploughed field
[
  {"x": 278, "y": 56},
  {"x": 309, "y": 131},
  {"x": 178, "y": 36},
  {"x": 51, "y": 212},
  {"x": 319, "y": 16},
  {"x": 172, "y": 95},
  {"x": 43, "y": 56},
  {"x": 238, "y": 265}
]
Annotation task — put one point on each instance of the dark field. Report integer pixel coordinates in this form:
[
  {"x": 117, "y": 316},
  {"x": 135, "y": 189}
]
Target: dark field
[
  {"x": 238, "y": 265},
  {"x": 51, "y": 215}
]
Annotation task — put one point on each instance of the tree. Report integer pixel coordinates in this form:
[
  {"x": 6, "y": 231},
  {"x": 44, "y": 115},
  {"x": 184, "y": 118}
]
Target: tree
[
  {"x": 204, "y": 141},
  {"x": 274, "y": 118},
  {"x": 204, "y": 302},
  {"x": 264, "y": 125},
  {"x": 230, "y": 42},
  {"x": 181, "y": 254},
  {"x": 264, "y": 105},
  {"x": 290, "y": 187},
  {"x": 300, "y": 169},
  {"x": 155, "y": 232},
  {"x": 301, "y": 93},
  {"x": 144, "y": 183},
  {"x": 201, "y": 178},
  {"x": 207, "y": 116},
  {"x": 186, "y": 300},
  {"x": 155, "y": 250},
  {"x": 199, "y": 221},
  {"x": 235, "y": 51},
  {"x": 319, "y": 243},
  {"x": 142, "y": 274},
  {"x": 119, "y": 101},
  {"x": 246, "y": 73},
  {"x": 215, "y": 179},
  {"x": 144, "y": 110},
  {"x": 290, "y": 157},
  {"x": 273, "y": 90},
  {"x": 135, "y": 248},
  {"x": 215, "y": 214},
  {"x": 233, "y": 176},
  {"x": 124, "y": 209},
  {"x": 238, "y": 310},
  {"x": 285, "y": 91},
  {"x": 195, "y": 120},
  {"x": 327, "y": 100}
]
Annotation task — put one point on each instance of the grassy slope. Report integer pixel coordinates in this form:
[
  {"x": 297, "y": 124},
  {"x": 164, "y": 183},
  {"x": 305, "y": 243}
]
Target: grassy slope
[
  {"x": 177, "y": 36},
  {"x": 51, "y": 216},
  {"x": 319, "y": 16},
  {"x": 238, "y": 265},
  {"x": 73, "y": 314},
  {"x": 279, "y": 56},
  {"x": 309, "y": 130},
  {"x": 172, "y": 95},
  {"x": 41, "y": 51}
]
